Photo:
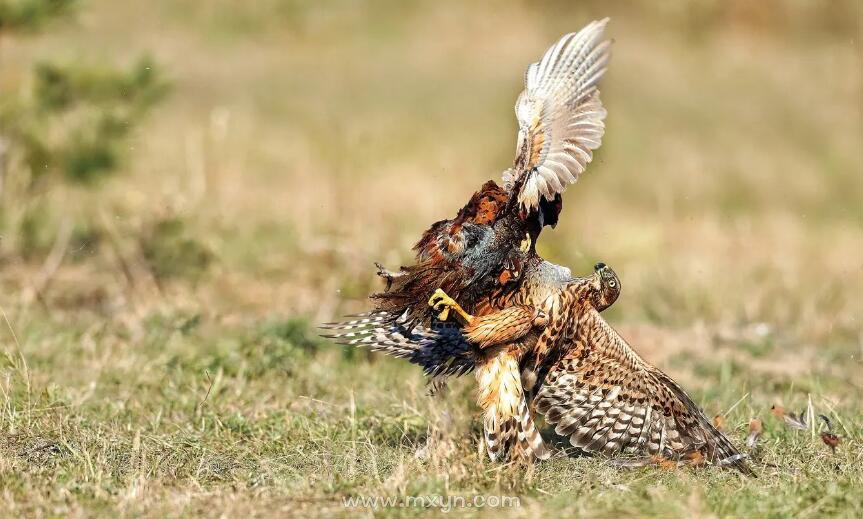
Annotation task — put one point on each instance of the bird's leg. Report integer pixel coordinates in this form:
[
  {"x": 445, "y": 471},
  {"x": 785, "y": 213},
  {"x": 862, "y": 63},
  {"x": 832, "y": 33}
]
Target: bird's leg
[
  {"x": 443, "y": 303},
  {"x": 388, "y": 275}
]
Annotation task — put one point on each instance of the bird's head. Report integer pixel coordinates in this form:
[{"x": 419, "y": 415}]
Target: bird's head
[{"x": 606, "y": 286}]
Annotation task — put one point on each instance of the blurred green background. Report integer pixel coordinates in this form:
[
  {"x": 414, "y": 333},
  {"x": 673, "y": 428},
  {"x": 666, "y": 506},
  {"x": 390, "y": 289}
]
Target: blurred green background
[{"x": 300, "y": 143}]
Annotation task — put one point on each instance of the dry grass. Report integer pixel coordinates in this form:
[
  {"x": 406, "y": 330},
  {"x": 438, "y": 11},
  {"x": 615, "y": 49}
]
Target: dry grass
[{"x": 301, "y": 144}]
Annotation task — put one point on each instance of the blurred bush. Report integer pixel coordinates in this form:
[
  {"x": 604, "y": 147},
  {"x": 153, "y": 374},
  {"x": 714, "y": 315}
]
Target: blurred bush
[
  {"x": 30, "y": 15},
  {"x": 73, "y": 122},
  {"x": 173, "y": 252},
  {"x": 280, "y": 345},
  {"x": 68, "y": 126}
]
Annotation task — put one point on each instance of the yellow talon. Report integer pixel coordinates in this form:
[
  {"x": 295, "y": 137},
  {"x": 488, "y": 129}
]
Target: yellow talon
[
  {"x": 444, "y": 314},
  {"x": 443, "y": 303},
  {"x": 525, "y": 243}
]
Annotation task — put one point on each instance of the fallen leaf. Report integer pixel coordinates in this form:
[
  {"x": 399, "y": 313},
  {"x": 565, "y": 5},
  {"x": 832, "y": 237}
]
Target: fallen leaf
[
  {"x": 662, "y": 462},
  {"x": 778, "y": 411},
  {"x": 695, "y": 458},
  {"x": 667, "y": 464},
  {"x": 755, "y": 430},
  {"x": 719, "y": 421},
  {"x": 830, "y": 440}
]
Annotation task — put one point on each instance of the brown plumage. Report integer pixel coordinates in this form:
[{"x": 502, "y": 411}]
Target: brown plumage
[
  {"x": 587, "y": 381},
  {"x": 485, "y": 258},
  {"x": 483, "y": 251},
  {"x": 477, "y": 253},
  {"x": 605, "y": 398},
  {"x": 532, "y": 333}
]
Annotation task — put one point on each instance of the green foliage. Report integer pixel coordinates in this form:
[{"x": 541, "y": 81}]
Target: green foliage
[
  {"x": 59, "y": 88},
  {"x": 407, "y": 428},
  {"x": 75, "y": 121},
  {"x": 295, "y": 332},
  {"x": 279, "y": 347},
  {"x": 63, "y": 123},
  {"x": 172, "y": 252},
  {"x": 275, "y": 348},
  {"x": 30, "y": 15},
  {"x": 32, "y": 233}
]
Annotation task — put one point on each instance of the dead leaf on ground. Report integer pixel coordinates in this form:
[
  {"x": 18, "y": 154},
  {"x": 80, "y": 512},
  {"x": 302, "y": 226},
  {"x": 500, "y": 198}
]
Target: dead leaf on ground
[
  {"x": 755, "y": 430},
  {"x": 830, "y": 440}
]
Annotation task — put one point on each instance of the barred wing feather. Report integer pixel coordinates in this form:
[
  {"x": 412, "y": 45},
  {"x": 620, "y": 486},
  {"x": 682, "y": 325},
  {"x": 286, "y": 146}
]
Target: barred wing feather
[{"x": 606, "y": 399}]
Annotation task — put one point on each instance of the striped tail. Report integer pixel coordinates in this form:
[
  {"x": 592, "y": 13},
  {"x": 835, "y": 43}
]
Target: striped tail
[
  {"x": 530, "y": 444},
  {"x": 440, "y": 350},
  {"x": 722, "y": 452},
  {"x": 710, "y": 441}
]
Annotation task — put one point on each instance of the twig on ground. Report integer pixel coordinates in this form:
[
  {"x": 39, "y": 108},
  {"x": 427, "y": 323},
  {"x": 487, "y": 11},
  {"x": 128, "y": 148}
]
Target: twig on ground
[
  {"x": 42, "y": 282},
  {"x": 207, "y": 395}
]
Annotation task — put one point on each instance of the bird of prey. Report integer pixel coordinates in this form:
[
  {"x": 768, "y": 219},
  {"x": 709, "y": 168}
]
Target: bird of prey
[
  {"x": 504, "y": 339},
  {"x": 518, "y": 317},
  {"x": 588, "y": 382},
  {"x": 578, "y": 372},
  {"x": 605, "y": 398},
  {"x": 484, "y": 256}
]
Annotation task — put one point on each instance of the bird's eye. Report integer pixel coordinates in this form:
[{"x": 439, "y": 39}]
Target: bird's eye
[{"x": 612, "y": 284}]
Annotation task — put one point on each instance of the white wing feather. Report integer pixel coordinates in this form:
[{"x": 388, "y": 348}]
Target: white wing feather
[{"x": 560, "y": 116}]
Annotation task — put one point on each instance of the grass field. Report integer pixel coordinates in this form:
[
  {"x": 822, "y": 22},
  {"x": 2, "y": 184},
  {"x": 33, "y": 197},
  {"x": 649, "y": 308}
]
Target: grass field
[{"x": 172, "y": 367}]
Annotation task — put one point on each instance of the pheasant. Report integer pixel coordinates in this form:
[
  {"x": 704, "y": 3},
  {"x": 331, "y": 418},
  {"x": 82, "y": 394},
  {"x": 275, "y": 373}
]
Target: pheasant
[
  {"x": 480, "y": 258},
  {"x": 587, "y": 380}
]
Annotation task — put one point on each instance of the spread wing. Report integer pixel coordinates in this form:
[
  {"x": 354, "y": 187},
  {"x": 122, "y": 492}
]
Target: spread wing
[
  {"x": 560, "y": 116},
  {"x": 606, "y": 399}
]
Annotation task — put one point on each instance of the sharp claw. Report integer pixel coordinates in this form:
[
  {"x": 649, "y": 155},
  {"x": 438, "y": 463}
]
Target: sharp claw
[
  {"x": 443, "y": 304},
  {"x": 433, "y": 299},
  {"x": 525, "y": 243}
]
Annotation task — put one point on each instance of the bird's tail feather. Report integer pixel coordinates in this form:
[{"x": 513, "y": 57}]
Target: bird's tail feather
[
  {"x": 440, "y": 350},
  {"x": 530, "y": 444}
]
